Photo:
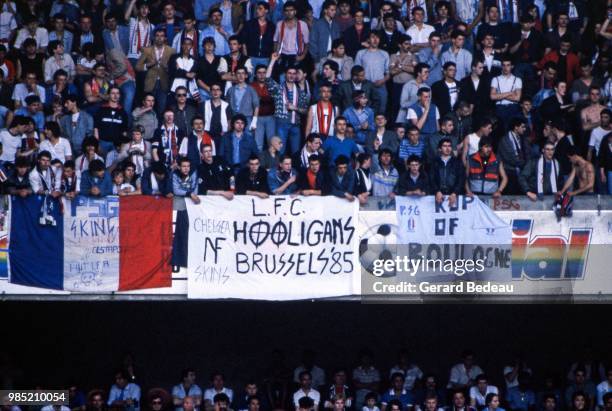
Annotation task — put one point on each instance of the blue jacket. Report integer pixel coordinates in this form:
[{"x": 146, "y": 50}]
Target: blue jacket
[
  {"x": 84, "y": 127},
  {"x": 319, "y": 37},
  {"x": 165, "y": 187},
  {"x": 353, "y": 119},
  {"x": 124, "y": 39},
  {"x": 184, "y": 188},
  {"x": 104, "y": 184},
  {"x": 347, "y": 185},
  {"x": 247, "y": 148},
  {"x": 275, "y": 181}
]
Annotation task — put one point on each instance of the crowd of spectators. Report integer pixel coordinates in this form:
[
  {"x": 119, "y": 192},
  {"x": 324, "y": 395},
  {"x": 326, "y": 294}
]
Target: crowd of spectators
[
  {"x": 349, "y": 98},
  {"x": 587, "y": 386}
]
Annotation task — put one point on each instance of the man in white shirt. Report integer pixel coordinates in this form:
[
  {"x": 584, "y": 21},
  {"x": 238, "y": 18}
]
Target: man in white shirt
[
  {"x": 412, "y": 373},
  {"x": 11, "y": 138},
  {"x": 317, "y": 374},
  {"x": 31, "y": 30},
  {"x": 43, "y": 178},
  {"x": 306, "y": 390},
  {"x": 218, "y": 387},
  {"x": 419, "y": 31},
  {"x": 506, "y": 91},
  {"x": 59, "y": 147},
  {"x": 479, "y": 392},
  {"x": 604, "y": 389},
  {"x": 464, "y": 374}
]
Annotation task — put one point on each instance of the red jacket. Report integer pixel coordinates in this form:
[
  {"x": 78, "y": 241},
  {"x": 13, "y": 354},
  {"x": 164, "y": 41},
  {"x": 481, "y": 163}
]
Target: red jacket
[{"x": 572, "y": 63}]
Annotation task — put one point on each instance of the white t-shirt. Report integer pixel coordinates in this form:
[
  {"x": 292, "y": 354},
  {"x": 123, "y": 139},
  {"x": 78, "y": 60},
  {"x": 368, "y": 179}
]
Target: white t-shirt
[
  {"x": 459, "y": 375},
  {"x": 10, "y": 145},
  {"x": 420, "y": 36},
  {"x": 317, "y": 373},
  {"x": 413, "y": 116},
  {"x": 506, "y": 84},
  {"x": 314, "y": 394},
  {"x": 479, "y": 397},
  {"x": 411, "y": 374},
  {"x": 210, "y": 393},
  {"x": 21, "y": 92},
  {"x": 7, "y": 24},
  {"x": 597, "y": 135},
  {"x": 453, "y": 92},
  {"x": 41, "y": 37},
  {"x": 58, "y": 151}
]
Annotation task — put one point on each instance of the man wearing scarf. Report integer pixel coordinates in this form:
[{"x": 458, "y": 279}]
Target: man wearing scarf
[
  {"x": 321, "y": 115},
  {"x": 166, "y": 141},
  {"x": 541, "y": 176},
  {"x": 290, "y": 102},
  {"x": 141, "y": 29}
]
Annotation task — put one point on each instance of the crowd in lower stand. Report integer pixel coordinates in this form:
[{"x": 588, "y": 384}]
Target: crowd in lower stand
[
  {"x": 350, "y": 98},
  {"x": 587, "y": 386}
]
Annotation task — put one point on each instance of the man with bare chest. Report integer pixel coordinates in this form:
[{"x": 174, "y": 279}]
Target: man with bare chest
[{"x": 582, "y": 172}]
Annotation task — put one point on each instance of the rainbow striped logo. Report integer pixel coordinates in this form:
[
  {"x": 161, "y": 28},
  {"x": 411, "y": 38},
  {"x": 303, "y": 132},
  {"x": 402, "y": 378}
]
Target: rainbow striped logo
[{"x": 548, "y": 257}]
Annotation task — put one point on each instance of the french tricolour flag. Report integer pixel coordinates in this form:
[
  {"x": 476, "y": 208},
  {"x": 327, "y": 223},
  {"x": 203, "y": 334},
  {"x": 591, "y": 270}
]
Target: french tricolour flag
[{"x": 91, "y": 245}]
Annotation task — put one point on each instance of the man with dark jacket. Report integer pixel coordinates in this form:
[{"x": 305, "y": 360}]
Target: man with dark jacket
[
  {"x": 445, "y": 92},
  {"x": 342, "y": 179},
  {"x": 156, "y": 181},
  {"x": 311, "y": 181},
  {"x": 413, "y": 182},
  {"x": 514, "y": 152},
  {"x": 541, "y": 176},
  {"x": 447, "y": 175},
  {"x": 253, "y": 179},
  {"x": 214, "y": 176},
  {"x": 357, "y": 82},
  {"x": 238, "y": 158}
]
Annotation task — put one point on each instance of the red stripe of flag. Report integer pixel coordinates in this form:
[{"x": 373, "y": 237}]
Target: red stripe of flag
[{"x": 145, "y": 239}]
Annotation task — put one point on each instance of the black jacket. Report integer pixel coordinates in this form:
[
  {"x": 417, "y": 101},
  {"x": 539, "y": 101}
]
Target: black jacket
[
  {"x": 245, "y": 183},
  {"x": 448, "y": 178},
  {"x": 164, "y": 187},
  {"x": 353, "y": 41},
  {"x": 405, "y": 184},
  {"x": 320, "y": 181},
  {"x": 441, "y": 98}
]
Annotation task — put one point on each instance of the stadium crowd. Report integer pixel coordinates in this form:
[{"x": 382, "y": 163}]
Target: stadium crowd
[
  {"x": 587, "y": 386},
  {"x": 348, "y": 98}
]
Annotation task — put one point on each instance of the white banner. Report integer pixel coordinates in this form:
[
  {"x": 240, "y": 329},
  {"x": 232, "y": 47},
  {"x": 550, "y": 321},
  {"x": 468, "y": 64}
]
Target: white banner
[
  {"x": 91, "y": 244},
  {"x": 280, "y": 248},
  {"x": 470, "y": 221}
]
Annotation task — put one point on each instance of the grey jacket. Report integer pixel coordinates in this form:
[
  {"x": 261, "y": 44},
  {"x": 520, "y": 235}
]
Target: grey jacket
[
  {"x": 319, "y": 37},
  {"x": 248, "y": 104},
  {"x": 389, "y": 141},
  {"x": 83, "y": 128},
  {"x": 148, "y": 120}
]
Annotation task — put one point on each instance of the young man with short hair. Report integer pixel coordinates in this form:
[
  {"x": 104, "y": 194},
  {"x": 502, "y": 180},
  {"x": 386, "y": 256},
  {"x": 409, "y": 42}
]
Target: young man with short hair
[
  {"x": 185, "y": 181},
  {"x": 413, "y": 182},
  {"x": 447, "y": 175},
  {"x": 96, "y": 182},
  {"x": 311, "y": 181},
  {"x": 342, "y": 180},
  {"x": 376, "y": 64},
  {"x": 485, "y": 175},
  {"x": 282, "y": 181},
  {"x": 252, "y": 180}
]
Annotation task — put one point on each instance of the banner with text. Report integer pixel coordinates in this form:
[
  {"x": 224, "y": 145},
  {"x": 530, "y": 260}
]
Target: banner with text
[{"x": 280, "y": 248}]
